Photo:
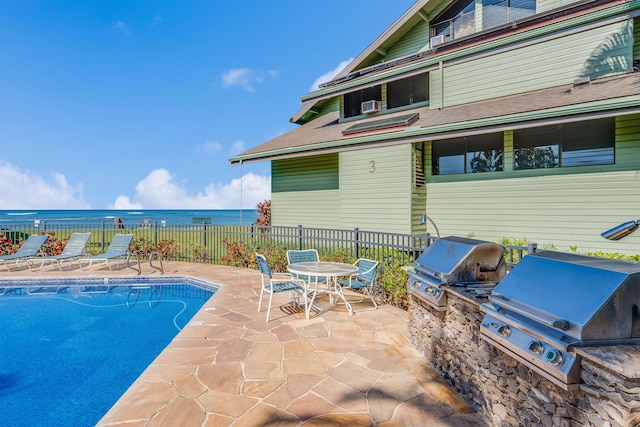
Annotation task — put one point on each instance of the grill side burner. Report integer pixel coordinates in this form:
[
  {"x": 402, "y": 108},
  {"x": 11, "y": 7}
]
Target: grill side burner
[
  {"x": 455, "y": 261},
  {"x": 552, "y": 302}
]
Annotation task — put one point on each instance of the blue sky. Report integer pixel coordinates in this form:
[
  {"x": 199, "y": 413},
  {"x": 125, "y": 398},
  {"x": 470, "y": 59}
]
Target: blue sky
[{"x": 140, "y": 104}]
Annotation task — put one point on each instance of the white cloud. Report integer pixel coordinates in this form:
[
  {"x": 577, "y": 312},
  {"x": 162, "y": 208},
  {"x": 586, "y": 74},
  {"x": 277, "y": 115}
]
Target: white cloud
[
  {"x": 245, "y": 77},
  {"x": 25, "y": 190},
  {"x": 327, "y": 77},
  {"x": 122, "y": 203},
  {"x": 121, "y": 27},
  {"x": 237, "y": 147},
  {"x": 157, "y": 20},
  {"x": 210, "y": 147},
  {"x": 160, "y": 190}
]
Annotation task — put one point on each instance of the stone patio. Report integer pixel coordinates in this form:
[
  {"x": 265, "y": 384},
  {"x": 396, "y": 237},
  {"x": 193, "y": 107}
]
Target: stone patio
[{"x": 230, "y": 367}]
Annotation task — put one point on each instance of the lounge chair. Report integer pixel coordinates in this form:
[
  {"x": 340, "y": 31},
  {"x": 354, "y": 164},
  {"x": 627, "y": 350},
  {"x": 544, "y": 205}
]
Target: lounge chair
[
  {"x": 74, "y": 249},
  {"x": 29, "y": 248},
  {"x": 117, "y": 250},
  {"x": 273, "y": 283}
]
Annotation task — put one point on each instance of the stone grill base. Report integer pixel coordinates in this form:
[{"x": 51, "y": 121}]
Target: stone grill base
[{"x": 510, "y": 394}]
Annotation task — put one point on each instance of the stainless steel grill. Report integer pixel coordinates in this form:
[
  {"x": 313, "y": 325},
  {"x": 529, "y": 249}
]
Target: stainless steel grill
[
  {"x": 552, "y": 302},
  {"x": 475, "y": 265}
]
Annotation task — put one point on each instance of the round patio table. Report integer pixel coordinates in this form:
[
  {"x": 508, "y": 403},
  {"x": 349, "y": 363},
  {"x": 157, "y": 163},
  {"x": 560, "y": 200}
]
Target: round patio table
[{"x": 314, "y": 270}]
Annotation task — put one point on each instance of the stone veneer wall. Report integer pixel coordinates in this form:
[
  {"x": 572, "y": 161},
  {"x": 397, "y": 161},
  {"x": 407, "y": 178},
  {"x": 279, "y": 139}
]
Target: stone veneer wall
[{"x": 509, "y": 393}]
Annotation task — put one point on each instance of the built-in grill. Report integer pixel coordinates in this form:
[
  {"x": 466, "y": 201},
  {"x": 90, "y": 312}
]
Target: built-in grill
[
  {"x": 552, "y": 302},
  {"x": 473, "y": 264}
]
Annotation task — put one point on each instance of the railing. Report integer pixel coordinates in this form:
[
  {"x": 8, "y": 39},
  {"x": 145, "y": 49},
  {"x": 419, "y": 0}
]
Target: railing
[
  {"x": 493, "y": 15},
  {"x": 208, "y": 242}
]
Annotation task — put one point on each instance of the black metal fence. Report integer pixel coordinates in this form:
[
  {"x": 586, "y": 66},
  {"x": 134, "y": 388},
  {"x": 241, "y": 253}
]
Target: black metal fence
[{"x": 204, "y": 242}]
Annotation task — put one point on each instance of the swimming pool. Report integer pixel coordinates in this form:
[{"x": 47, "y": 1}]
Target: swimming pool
[{"x": 69, "y": 349}]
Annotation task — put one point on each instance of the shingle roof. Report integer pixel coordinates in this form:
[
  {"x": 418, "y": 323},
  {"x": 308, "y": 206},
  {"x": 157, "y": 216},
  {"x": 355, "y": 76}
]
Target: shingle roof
[{"x": 326, "y": 129}]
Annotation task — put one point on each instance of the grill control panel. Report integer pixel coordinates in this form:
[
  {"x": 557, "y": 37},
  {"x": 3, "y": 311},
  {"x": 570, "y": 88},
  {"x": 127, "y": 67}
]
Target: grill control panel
[
  {"x": 420, "y": 288},
  {"x": 553, "y": 363}
]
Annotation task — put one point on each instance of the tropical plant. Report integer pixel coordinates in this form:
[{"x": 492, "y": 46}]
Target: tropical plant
[{"x": 264, "y": 213}]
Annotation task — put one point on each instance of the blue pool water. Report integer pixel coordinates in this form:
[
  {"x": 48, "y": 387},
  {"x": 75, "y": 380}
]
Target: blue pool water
[{"x": 66, "y": 358}]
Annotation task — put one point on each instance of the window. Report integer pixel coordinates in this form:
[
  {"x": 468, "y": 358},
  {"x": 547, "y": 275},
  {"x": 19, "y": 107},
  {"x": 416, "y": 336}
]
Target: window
[
  {"x": 472, "y": 154},
  {"x": 570, "y": 144},
  {"x": 457, "y": 21},
  {"x": 501, "y": 12},
  {"x": 408, "y": 91},
  {"x": 353, "y": 101}
]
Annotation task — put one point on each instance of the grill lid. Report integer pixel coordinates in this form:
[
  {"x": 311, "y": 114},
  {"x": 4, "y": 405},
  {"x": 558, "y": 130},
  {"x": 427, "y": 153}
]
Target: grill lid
[
  {"x": 585, "y": 298},
  {"x": 457, "y": 259}
]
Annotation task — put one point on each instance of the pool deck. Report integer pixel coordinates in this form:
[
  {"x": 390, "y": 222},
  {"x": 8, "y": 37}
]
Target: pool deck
[{"x": 229, "y": 367}]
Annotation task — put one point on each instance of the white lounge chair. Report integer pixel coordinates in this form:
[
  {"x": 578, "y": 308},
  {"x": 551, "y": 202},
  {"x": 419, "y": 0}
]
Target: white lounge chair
[
  {"x": 74, "y": 249},
  {"x": 117, "y": 250},
  {"x": 29, "y": 248}
]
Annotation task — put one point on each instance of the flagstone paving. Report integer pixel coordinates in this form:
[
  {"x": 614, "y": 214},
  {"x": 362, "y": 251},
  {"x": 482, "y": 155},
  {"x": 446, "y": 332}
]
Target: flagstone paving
[{"x": 230, "y": 367}]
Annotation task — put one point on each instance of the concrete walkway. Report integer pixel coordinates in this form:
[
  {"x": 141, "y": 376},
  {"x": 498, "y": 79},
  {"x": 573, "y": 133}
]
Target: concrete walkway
[{"x": 229, "y": 367}]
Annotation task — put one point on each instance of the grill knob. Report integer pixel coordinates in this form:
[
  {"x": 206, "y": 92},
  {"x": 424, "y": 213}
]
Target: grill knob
[
  {"x": 505, "y": 331},
  {"x": 536, "y": 347},
  {"x": 554, "y": 357},
  {"x": 433, "y": 291}
]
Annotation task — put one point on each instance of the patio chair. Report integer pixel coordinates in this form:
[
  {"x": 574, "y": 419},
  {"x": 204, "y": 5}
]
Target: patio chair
[
  {"x": 29, "y": 248},
  {"x": 117, "y": 250},
  {"x": 74, "y": 249},
  {"x": 304, "y": 255},
  {"x": 363, "y": 279},
  {"x": 273, "y": 283}
]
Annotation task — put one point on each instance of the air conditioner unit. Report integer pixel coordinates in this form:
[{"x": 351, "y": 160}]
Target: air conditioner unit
[
  {"x": 370, "y": 107},
  {"x": 437, "y": 40}
]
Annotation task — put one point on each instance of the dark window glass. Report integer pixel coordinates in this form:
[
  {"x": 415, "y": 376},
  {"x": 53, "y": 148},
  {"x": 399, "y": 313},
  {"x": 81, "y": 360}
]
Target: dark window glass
[
  {"x": 535, "y": 148},
  {"x": 588, "y": 143},
  {"x": 353, "y": 100},
  {"x": 485, "y": 153},
  {"x": 408, "y": 91},
  {"x": 571, "y": 144},
  {"x": 478, "y": 153}
]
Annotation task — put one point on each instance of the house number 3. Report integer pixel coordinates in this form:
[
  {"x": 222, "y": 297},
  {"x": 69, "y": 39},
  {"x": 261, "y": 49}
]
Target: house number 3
[{"x": 372, "y": 169}]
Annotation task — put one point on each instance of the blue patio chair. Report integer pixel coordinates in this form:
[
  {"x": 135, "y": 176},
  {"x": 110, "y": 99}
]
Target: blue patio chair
[
  {"x": 117, "y": 250},
  {"x": 363, "y": 279},
  {"x": 29, "y": 249},
  {"x": 303, "y": 255},
  {"x": 273, "y": 283},
  {"x": 73, "y": 250}
]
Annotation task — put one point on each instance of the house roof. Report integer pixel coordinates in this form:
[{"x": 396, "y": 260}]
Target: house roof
[
  {"x": 598, "y": 98},
  {"x": 379, "y": 46}
]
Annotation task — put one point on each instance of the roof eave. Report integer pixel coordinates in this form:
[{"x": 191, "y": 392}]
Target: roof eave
[{"x": 606, "y": 108}]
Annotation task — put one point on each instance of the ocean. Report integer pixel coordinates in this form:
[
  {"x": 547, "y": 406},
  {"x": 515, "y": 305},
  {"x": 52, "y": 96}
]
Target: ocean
[{"x": 135, "y": 217}]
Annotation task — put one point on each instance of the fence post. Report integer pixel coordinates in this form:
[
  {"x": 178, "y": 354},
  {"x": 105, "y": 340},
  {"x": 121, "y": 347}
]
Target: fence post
[
  {"x": 427, "y": 240},
  {"x": 356, "y": 243},
  {"x": 299, "y": 237},
  {"x": 204, "y": 234},
  {"x": 43, "y": 223},
  {"x": 102, "y": 236},
  {"x": 532, "y": 248},
  {"x": 155, "y": 233}
]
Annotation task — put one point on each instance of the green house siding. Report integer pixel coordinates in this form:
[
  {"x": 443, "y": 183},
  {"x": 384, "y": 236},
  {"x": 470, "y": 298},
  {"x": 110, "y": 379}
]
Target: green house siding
[
  {"x": 636, "y": 39},
  {"x": 560, "y": 206},
  {"x": 375, "y": 189},
  {"x": 305, "y": 173},
  {"x": 560, "y": 210},
  {"x": 594, "y": 53},
  {"x": 416, "y": 40},
  {"x": 310, "y": 209}
]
